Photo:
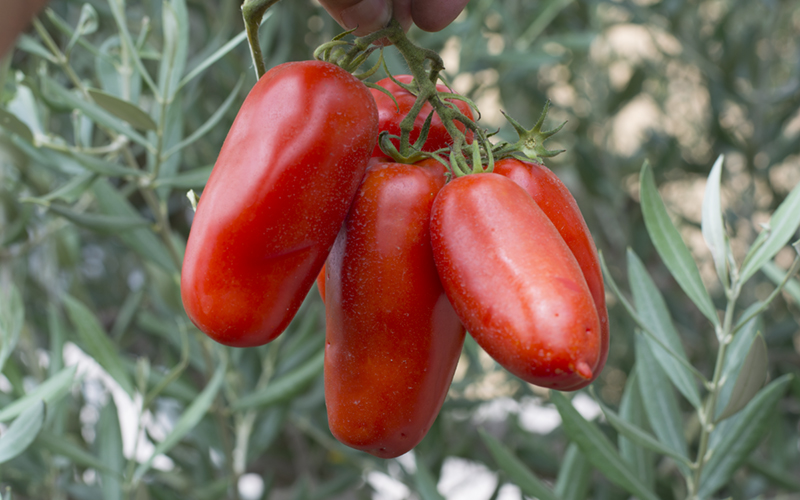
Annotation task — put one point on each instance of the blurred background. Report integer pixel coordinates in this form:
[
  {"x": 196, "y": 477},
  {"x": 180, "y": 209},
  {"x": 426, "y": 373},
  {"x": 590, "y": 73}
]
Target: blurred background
[{"x": 672, "y": 81}]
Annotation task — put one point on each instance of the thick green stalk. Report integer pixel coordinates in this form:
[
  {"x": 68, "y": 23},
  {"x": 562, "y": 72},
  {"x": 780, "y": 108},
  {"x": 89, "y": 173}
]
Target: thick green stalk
[{"x": 252, "y": 12}]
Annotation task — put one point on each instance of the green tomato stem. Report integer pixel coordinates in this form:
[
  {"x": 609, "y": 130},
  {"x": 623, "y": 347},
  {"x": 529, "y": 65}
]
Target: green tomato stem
[{"x": 252, "y": 12}]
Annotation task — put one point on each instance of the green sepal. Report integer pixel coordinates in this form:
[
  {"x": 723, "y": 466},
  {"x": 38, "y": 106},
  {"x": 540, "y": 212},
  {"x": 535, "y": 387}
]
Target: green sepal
[{"x": 531, "y": 142}]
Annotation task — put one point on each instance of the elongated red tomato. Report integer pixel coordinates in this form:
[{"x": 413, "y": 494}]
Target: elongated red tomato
[
  {"x": 275, "y": 201},
  {"x": 514, "y": 282},
  {"x": 390, "y": 115},
  {"x": 393, "y": 339},
  {"x": 558, "y": 204}
]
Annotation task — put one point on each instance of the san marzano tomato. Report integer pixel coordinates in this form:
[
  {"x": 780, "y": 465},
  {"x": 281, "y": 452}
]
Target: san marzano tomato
[
  {"x": 393, "y": 339},
  {"x": 514, "y": 282},
  {"x": 275, "y": 201},
  {"x": 555, "y": 200}
]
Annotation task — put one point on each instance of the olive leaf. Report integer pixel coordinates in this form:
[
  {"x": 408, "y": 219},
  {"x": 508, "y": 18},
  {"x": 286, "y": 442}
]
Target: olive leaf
[
  {"x": 574, "y": 476},
  {"x": 713, "y": 226},
  {"x": 751, "y": 378},
  {"x": 599, "y": 450},
  {"x": 22, "y": 432},
  {"x": 782, "y": 226},
  {"x": 670, "y": 245},
  {"x": 123, "y": 110},
  {"x": 10, "y": 122},
  {"x": 631, "y": 410},
  {"x": 516, "y": 470}
]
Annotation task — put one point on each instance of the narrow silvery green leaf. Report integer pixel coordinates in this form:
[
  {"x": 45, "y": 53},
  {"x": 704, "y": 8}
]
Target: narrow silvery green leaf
[
  {"x": 92, "y": 110},
  {"x": 48, "y": 391},
  {"x": 777, "y": 275},
  {"x": 175, "y": 20},
  {"x": 653, "y": 310},
  {"x": 735, "y": 354},
  {"x": 13, "y": 124},
  {"x": 104, "y": 167},
  {"x": 87, "y": 24},
  {"x": 123, "y": 110},
  {"x": 426, "y": 484},
  {"x": 22, "y": 432},
  {"x": 31, "y": 45},
  {"x": 118, "y": 11},
  {"x": 740, "y": 436},
  {"x": 194, "y": 178},
  {"x": 142, "y": 241},
  {"x": 574, "y": 475},
  {"x": 516, "y": 470},
  {"x": 97, "y": 343},
  {"x": 218, "y": 54},
  {"x": 639, "y": 436},
  {"x": 671, "y": 247},
  {"x": 101, "y": 223},
  {"x": 126, "y": 313},
  {"x": 109, "y": 442},
  {"x": 661, "y": 405},
  {"x": 751, "y": 378},
  {"x": 283, "y": 388},
  {"x": 631, "y": 409},
  {"x": 66, "y": 447},
  {"x": 188, "y": 420},
  {"x": 782, "y": 226},
  {"x": 71, "y": 191},
  {"x": 599, "y": 450},
  {"x": 713, "y": 225},
  {"x": 210, "y": 123},
  {"x": 12, "y": 318}
]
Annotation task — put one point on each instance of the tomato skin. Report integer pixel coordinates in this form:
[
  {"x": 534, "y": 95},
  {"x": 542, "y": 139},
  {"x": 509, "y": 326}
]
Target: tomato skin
[
  {"x": 558, "y": 204},
  {"x": 389, "y": 116},
  {"x": 514, "y": 282},
  {"x": 276, "y": 198},
  {"x": 393, "y": 339}
]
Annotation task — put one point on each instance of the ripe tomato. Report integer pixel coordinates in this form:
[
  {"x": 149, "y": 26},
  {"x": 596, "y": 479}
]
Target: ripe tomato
[
  {"x": 514, "y": 282},
  {"x": 557, "y": 203},
  {"x": 275, "y": 201},
  {"x": 389, "y": 116},
  {"x": 393, "y": 339}
]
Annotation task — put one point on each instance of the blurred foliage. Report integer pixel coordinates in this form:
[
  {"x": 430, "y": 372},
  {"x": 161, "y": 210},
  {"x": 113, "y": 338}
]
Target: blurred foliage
[{"x": 111, "y": 112}]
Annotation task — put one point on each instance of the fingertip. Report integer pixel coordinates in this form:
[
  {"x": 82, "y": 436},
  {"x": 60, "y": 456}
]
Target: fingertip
[
  {"x": 367, "y": 16},
  {"x": 435, "y": 15}
]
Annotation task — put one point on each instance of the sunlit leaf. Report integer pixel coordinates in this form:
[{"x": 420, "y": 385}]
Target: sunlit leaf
[
  {"x": 671, "y": 247},
  {"x": 713, "y": 225}
]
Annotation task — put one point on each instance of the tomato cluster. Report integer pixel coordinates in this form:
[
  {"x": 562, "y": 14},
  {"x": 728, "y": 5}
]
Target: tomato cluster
[{"x": 413, "y": 261}]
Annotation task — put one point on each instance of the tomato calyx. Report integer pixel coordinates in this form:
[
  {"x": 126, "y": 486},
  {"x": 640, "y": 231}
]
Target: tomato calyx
[{"x": 531, "y": 142}]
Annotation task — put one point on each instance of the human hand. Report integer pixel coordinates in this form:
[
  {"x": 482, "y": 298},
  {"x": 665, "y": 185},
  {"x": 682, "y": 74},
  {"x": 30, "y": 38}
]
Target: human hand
[{"x": 369, "y": 16}]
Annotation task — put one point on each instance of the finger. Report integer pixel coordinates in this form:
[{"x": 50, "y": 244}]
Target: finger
[
  {"x": 367, "y": 16},
  {"x": 435, "y": 15}
]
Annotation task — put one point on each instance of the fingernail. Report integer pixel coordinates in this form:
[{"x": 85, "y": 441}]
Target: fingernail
[{"x": 367, "y": 16}]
